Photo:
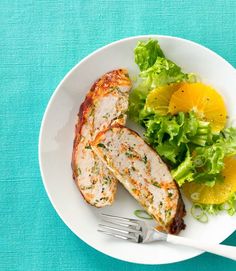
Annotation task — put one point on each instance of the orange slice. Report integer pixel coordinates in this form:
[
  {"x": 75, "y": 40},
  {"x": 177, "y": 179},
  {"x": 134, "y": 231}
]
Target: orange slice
[
  {"x": 204, "y": 100},
  {"x": 220, "y": 192},
  {"x": 159, "y": 98}
]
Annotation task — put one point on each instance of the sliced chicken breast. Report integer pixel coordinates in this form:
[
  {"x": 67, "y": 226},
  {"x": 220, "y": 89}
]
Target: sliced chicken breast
[
  {"x": 142, "y": 172},
  {"x": 105, "y": 104}
]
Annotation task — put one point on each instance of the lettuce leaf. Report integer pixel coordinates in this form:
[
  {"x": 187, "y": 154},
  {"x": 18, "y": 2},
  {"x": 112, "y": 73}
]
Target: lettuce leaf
[
  {"x": 189, "y": 146},
  {"x": 228, "y": 141},
  {"x": 146, "y": 53},
  {"x": 170, "y": 134},
  {"x": 164, "y": 72},
  {"x": 209, "y": 160},
  {"x": 185, "y": 171},
  {"x": 137, "y": 100}
]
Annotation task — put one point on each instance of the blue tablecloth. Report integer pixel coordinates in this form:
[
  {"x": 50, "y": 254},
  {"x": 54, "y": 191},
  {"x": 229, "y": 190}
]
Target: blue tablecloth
[{"x": 39, "y": 42}]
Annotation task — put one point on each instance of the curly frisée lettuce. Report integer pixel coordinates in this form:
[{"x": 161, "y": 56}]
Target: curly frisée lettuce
[
  {"x": 164, "y": 72},
  {"x": 156, "y": 69},
  {"x": 146, "y": 54},
  {"x": 194, "y": 152},
  {"x": 188, "y": 145}
]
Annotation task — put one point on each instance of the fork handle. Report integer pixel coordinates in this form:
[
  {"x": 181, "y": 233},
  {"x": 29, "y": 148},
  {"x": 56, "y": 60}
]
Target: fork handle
[{"x": 222, "y": 250}]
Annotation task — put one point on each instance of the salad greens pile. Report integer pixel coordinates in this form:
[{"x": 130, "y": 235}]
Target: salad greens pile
[{"x": 187, "y": 144}]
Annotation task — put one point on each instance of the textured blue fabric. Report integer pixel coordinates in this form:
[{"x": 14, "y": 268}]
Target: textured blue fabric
[{"x": 39, "y": 42}]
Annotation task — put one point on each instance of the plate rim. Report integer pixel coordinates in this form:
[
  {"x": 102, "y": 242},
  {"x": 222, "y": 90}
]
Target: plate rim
[{"x": 50, "y": 101}]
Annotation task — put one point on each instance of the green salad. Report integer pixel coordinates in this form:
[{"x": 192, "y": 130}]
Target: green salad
[{"x": 186, "y": 141}]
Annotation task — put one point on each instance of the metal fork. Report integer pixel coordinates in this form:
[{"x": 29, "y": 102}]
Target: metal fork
[{"x": 141, "y": 232}]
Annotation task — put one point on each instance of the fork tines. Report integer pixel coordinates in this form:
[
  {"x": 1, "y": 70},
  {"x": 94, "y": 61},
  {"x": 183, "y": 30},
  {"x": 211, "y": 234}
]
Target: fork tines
[{"x": 120, "y": 227}]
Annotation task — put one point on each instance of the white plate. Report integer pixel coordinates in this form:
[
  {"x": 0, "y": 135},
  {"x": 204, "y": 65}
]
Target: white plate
[{"x": 55, "y": 147}]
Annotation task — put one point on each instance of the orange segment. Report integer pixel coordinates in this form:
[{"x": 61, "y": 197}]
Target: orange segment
[
  {"x": 204, "y": 100},
  {"x": 158, "y": 99},
  {"x": 220, "y": 192}
]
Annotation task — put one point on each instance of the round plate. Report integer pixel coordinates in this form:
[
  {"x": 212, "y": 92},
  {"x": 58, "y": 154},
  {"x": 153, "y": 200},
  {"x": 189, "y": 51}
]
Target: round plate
[{"x": 56, "y": 138}]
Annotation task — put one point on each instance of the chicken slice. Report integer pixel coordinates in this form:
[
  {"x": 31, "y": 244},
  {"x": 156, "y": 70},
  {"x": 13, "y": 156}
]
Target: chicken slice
[
  {"x": 105, "y": 104},
  {"x": 142, "y": 172}
]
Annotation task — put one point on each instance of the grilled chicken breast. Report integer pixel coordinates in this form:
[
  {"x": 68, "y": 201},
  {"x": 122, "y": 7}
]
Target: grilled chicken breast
[
  {"x": 105, "y": 104},
  {"x": 142, "y": 172}
]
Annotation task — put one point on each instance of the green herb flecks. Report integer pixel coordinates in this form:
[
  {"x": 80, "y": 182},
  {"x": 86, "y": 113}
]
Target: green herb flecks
[
  {"x": 101, "y": 145},
  {"x": 145, "y": 159}
]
